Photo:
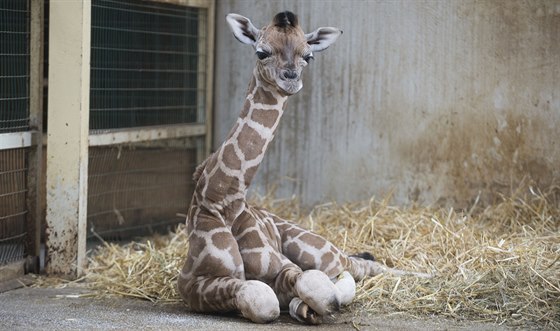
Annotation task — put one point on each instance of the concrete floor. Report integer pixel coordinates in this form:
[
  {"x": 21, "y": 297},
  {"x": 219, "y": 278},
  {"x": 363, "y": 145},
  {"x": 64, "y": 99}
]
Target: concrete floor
[{"x": 68, "y": 309}]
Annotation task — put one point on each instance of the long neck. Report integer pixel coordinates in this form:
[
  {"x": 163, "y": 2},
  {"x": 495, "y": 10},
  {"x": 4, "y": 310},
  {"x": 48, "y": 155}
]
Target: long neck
[
  {"x": 231, "y": 169},
  {"x": 248, "y": 140}
]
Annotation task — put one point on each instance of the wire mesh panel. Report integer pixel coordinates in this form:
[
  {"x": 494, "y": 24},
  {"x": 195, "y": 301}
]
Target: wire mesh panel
[
  {"x": 14, "y": 65},
  {"x": 13, "y": 209},
  {"x": 145, "y": 64},
  {"x": 137, "y": 188}
]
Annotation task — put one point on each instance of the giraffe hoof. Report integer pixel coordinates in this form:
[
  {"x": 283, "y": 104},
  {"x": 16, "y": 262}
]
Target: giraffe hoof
[
  {"x": 303, "y": 313},
  {"x": 316, "y": 289}
]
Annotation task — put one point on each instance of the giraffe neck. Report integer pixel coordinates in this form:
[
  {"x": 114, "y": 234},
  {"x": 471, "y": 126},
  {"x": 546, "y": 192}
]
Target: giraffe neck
[{"x": 231, "y": 168}]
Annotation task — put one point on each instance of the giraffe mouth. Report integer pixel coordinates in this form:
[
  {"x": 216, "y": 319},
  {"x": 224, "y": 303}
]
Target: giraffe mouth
[{"x": 290, "y": 86}]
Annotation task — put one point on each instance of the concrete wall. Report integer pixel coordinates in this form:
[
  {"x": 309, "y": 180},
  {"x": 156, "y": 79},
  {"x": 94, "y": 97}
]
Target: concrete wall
[{"x": 434, "y": 101}]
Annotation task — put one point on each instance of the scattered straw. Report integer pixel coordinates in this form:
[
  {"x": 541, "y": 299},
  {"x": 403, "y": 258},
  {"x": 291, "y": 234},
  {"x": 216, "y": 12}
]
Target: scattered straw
[
  {"x": 498, "y": 264},
  {"x": 146, "y": 270}
]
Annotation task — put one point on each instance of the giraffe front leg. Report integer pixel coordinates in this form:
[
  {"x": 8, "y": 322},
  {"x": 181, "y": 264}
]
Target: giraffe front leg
[
  {"x": 255, "y": 300},
  {"x": 213, "y": 277}
]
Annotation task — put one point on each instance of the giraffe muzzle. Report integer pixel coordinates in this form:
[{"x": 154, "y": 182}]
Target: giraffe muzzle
[{"x": 290, "y": 74}]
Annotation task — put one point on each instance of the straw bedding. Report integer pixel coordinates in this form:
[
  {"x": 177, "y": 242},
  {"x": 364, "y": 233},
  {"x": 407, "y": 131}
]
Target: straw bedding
[{"x": 499, "y": 263}]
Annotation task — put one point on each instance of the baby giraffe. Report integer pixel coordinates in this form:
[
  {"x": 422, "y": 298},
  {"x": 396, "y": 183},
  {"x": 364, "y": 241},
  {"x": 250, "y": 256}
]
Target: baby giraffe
[{"x": 243, "y": 258}]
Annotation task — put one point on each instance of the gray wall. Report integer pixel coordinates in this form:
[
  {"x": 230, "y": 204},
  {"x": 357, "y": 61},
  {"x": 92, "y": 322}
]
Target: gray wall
[{"x": 434, "y": 101}]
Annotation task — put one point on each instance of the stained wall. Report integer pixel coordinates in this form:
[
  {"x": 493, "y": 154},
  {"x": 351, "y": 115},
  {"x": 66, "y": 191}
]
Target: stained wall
[{"x": 432, "y": 101}]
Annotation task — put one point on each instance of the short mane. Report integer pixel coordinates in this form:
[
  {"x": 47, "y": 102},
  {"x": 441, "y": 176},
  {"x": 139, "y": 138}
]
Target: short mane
[{"x": 285, "y": 19}]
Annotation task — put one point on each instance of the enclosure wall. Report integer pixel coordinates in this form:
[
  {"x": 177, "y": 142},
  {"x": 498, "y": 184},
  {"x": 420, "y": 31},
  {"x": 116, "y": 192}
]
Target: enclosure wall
[{"x": 435, "y": 101}]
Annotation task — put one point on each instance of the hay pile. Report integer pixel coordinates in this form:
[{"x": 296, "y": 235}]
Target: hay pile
[{"x": 499, "y": 263}]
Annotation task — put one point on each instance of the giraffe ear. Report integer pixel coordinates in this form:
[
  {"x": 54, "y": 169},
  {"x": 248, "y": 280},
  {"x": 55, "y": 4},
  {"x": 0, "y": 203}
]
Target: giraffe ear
[
  {"x": 242, "y": 29},
  {"x": 322, "y": 38}
]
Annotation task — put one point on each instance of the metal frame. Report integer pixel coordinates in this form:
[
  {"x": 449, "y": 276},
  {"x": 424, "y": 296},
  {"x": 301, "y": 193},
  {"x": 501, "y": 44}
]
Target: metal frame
[
  {"x": 69, "y": 137},
  {"x": 31, "y": 140},
  {"x": 35, "y": 193}
]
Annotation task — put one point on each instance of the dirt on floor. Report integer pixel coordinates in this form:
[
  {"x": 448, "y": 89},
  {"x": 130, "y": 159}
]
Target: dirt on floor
[{"x": 72, "y": 308}]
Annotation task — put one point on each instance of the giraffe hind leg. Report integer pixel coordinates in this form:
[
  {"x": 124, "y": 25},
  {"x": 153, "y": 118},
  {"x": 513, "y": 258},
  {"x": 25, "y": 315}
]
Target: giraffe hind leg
[
  {"x": 347, "y": 286},
  {"x": 263, "y": 260},
  {"x": 316, "y": 296},
  {"x": 301, "y": 311}
]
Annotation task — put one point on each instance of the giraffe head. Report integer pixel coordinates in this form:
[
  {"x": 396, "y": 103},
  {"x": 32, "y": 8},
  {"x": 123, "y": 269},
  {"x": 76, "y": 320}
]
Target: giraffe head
[{"x": 282, "y": 48}]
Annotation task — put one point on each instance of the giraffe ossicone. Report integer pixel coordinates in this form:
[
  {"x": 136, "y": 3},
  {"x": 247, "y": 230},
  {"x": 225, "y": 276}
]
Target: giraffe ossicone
[{"x": 243, "y": 258}]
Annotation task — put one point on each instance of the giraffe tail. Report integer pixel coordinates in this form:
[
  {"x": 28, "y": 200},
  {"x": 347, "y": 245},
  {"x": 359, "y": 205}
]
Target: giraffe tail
[{"x": 363, "y": 265}]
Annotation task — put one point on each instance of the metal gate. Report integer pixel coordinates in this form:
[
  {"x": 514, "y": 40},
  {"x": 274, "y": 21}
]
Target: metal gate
[
  {"x": 123, "y": 108},
  {"x": 20, "y": 136},
  {"x": 129, "y": 104},
  {"x": 148, "y": 69}
]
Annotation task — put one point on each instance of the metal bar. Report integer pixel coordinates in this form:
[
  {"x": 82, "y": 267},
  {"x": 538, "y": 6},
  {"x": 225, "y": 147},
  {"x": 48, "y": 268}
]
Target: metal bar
[
  {"x": 14, "y": 215},
  {"x": 14, "y": 54},
  {"x": 35, "y": 190},
  {"x": 13, "y": 193},
  {"x": 14, "y": 32},
  {"x": 142, "y": 189},
  {"x": 18, "y": 236},
  {"x": 122, "y": 210},
  {"x": 10, "y": 77},
  {"x": 11, "y": 99},
  {"x": 16, "y": 139},
  {"x": 143, "y": 108},
  {"x": 137, "y": 89},
  {"x": 192, "y": 3},
  {"x": 159, "y": 33},
  {"x": 143, "y": 6},
  {"x": 209, "y": 73},
  {"x": 131, "y": 172},
  {"x": 13, "y": 10},
  {"x": 68, "y": 123},
  {"x": 179, "y": 71},
  {"x": 146, "y": 134}
]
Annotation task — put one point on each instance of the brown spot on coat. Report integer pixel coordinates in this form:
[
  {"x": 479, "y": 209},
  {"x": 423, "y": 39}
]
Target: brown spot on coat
[
  {"x": 252, "y": 263},
  {"x": 249, "y": 174},
  {"x": 326, "y": 260},
  {"x": 250, "y": 142},
  {"x": 313, "y": 240},
  {"x": 214, "y": 266},
  {"x": 265, "y": 97},
  {"x": 266, "y": 117},
  {"x": 250, "y": 240},
  {"x": 306, "y": 261},
  {"x": 230, "y": 158},
  {"x": 220, "y": 185},
  {"x": 222, "y": 240}
]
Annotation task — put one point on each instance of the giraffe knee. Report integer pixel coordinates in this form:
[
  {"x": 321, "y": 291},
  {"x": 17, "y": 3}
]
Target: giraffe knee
[{"x": 257, "y": 302}]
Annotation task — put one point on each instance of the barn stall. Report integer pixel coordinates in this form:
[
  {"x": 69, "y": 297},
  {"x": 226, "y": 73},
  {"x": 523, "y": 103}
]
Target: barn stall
[{"x": 445, "y": 113}]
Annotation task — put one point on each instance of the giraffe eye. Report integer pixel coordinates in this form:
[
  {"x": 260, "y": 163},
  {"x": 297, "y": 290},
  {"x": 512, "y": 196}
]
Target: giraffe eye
[
  {"x": 262, "y": 55},
  {"x": 308, "y": 57}
]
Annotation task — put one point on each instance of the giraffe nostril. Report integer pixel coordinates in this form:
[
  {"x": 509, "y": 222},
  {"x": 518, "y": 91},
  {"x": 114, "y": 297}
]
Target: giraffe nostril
[{"x": 290, "y": 74}]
